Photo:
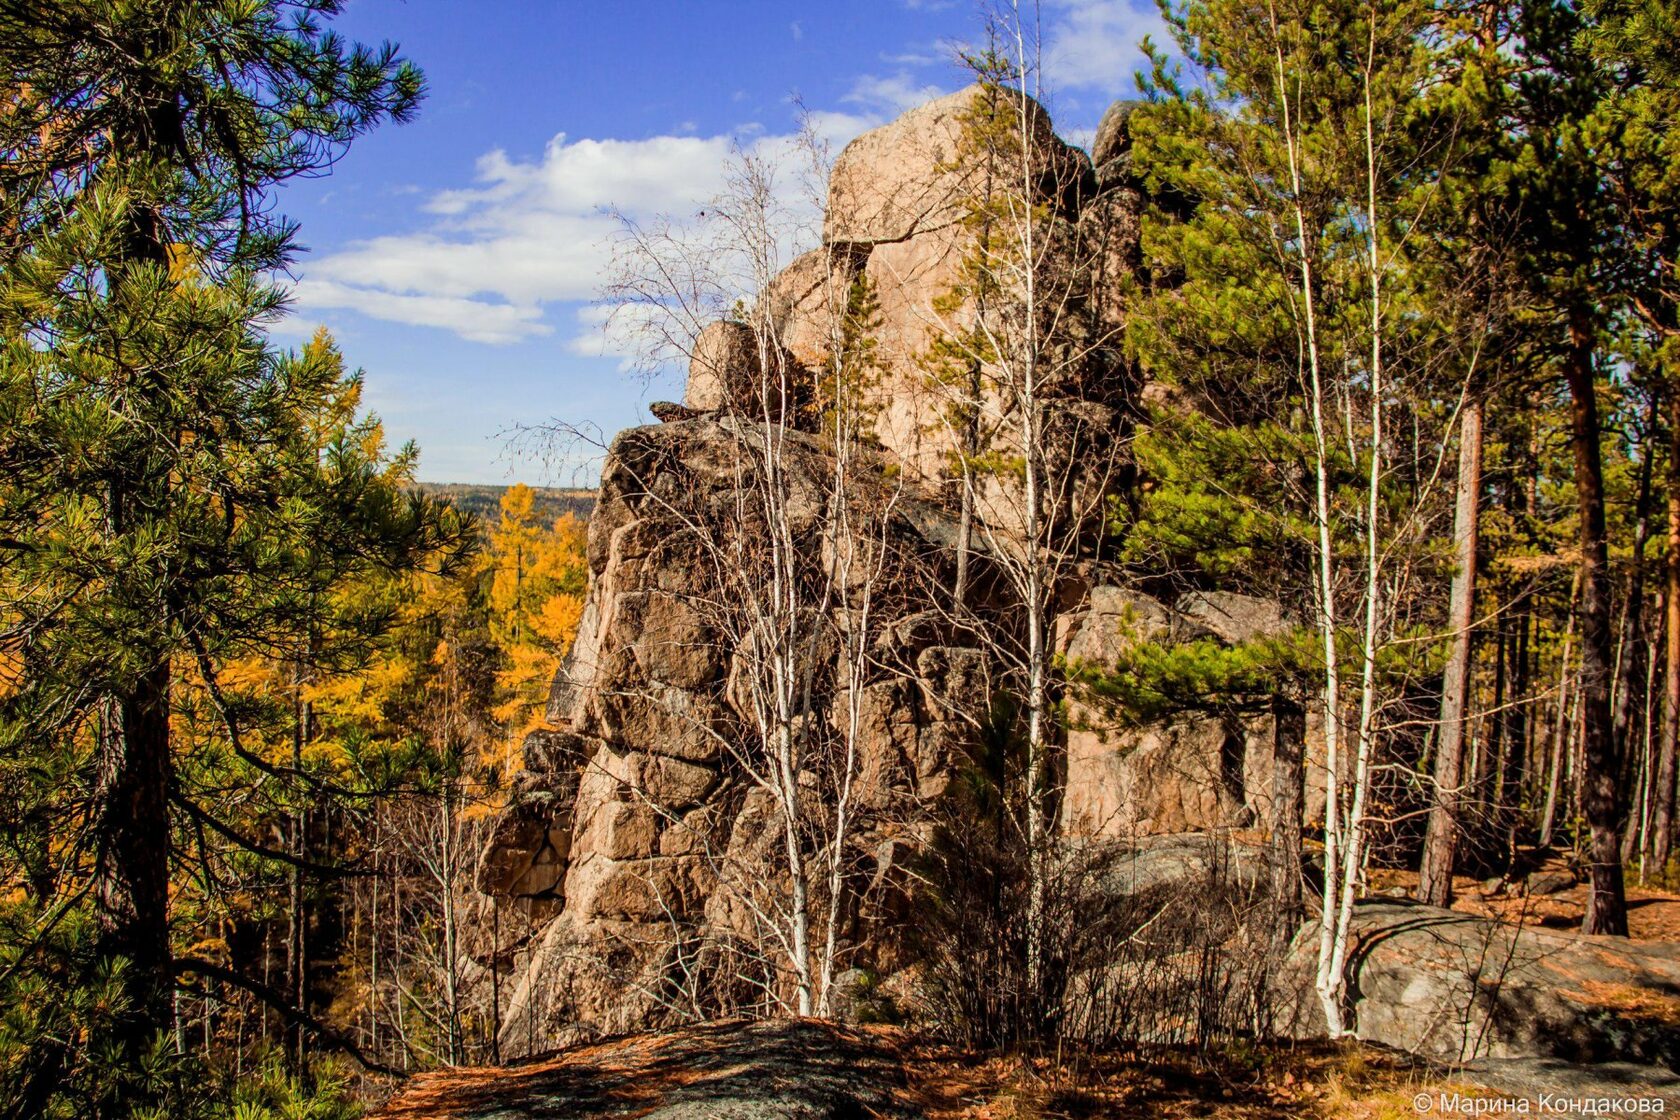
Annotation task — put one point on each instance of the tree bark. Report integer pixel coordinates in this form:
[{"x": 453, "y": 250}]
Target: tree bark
[
  {"x": 1563, "y": 720},
  {"x": 297, "y": 920},
  {"x": 1633, "y": 650},
  {"x": 1513, "y": 776},
  {"x": 135, "y": 766},
  {"x": 1662, "y": 811},
  {"x": 1441, "y": 837},
  {"x": 1632, "y": 644},
  {"x": 131, "y": 871},
  {"x": 1600, "y": 803}
]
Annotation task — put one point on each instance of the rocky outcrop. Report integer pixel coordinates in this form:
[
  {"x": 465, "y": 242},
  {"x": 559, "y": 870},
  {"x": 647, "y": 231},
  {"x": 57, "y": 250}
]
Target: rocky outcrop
[
  {"x": 638, "y": 818},
  {"x": 1197, "y": 771},
  {"x": 899, "y": 207},
  {"x": 1111, "y": 146},
  {"x": 912, "y": 177},
  {"x": 733, "y": 369},
  {"x": 642, "y": 845},
  {"x": 652, "y": 836}
]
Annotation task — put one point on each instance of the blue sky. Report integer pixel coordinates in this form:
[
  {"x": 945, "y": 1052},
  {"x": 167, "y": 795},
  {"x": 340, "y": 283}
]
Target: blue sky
[{"x": 458, "y": 258}]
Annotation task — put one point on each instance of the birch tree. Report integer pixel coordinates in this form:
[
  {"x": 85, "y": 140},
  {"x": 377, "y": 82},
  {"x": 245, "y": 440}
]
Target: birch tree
[{"x": 1319, "y": 183}]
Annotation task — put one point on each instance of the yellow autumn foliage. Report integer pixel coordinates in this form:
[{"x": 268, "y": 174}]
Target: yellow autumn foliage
[{"x": 538, "y": 575}]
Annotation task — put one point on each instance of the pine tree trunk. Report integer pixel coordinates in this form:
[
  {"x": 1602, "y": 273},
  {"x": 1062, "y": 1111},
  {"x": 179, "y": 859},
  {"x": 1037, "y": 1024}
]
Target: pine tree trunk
[
  {"x": 296, "y": 920},
  {"x": 1633, "y": 661},
  {"x": 1662, "y": 801},
  {"x": 131, "y": 870},
  {"x": 446, "y": 898},
  {"x": 1600, "y": 803},
  {"x": 1513, "y": 779},
  {"x": 1441, "y": 838},
  {"x": 1563, "y": 720},
  {"x": 135, "y": 766}
]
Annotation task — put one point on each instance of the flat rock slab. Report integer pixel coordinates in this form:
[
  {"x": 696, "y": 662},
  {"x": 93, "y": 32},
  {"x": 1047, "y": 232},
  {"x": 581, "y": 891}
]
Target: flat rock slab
[
  {"x": 1455, "y": 988},
  {"x": 1535, "y": 1079},
  {"x": 799, "y": 1070}
]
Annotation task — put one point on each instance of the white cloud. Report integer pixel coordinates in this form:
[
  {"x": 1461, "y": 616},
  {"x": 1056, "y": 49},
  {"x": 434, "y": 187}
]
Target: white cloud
[
  {"x": 579, "y": 176},
  {"x": 618, "y": 332},
  {"x": 889, "y": 96},
  {"x": 1093, "y": 44},
  {"x": 474, "y": 320},
  {"x": 1079, "y": 137},
  {"x": 489, "y": 259}
]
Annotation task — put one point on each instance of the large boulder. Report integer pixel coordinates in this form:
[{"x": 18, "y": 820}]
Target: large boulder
[
  {"x": 912, "y": 281},
  {"x": 1194, "y": 771},
  {"x": 527, "y": 850},
  {"x": 1455, "y": 987},
  {"x": 913, "y": 175},
  {"x": 803, "y": 304},
  {"x": 723, "y": 366},
  {"x": 1122, "y": 781},
  {"x": 899, "y": 197},
  {"x": 525, "y": 856},
  {"x": 727, "y": 370},
  {"x": 1111, "y": 148},
  {"x": 1110, "y": 229},
  {"x": 1234, "y": 618}
]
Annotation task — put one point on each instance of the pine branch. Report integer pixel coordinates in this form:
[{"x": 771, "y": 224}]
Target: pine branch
[{"x": 185, "y": 966}]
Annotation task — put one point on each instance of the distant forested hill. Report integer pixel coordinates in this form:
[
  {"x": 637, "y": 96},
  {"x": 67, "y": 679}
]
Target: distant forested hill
[{"x": 485, "y": 501}]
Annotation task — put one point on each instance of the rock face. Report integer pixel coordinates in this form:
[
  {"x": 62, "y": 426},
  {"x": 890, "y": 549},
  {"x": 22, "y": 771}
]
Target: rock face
[
  {"x": 636, "y": 803},
  {"x": 900, "y": 203},
  {"x": 910, "y": 177},
  {"x": 648, "y": 832},
  {"x": 635, "y": 810},
  {"x": 1191, "y": 773},
  {"x": 723, "y": 370},
  {"x": 638, "y": 841}
]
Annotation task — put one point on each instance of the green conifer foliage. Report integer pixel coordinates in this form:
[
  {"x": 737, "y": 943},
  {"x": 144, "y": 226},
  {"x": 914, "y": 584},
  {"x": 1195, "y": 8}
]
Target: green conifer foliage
[{"x": 176, "y": 493}]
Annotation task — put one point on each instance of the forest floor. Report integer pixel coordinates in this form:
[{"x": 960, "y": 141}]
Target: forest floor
[
  {"x": 1653, "y": 913},
  {"x": 817, "y": 1071},
  {"x": 812, "y": 1070}
]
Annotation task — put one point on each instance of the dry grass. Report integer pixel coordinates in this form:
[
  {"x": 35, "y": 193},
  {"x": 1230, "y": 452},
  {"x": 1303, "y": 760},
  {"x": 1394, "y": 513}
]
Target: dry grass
[
  {"x": 1630, "y": 1002},
  {"x": 1243, "y": 1083},
  {"x": 636, "y": 1075}
]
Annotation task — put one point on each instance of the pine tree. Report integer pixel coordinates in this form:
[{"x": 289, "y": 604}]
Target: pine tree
[{"x": 167, "y": 504}]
